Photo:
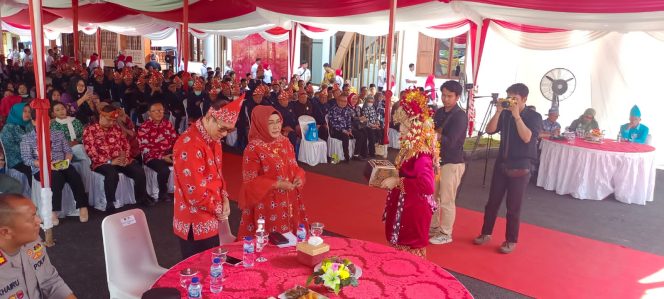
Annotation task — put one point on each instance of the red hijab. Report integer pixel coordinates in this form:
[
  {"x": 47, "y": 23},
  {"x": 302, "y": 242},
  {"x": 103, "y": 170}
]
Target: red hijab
[
  {"x": 259, "y": 123},
  {"x": 350, "y": 96}
]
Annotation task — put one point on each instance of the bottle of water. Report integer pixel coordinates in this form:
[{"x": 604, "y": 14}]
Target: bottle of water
[
  {"x": 301, "y": 233},
  {"x": 216, "y": 276},
  {"x": 195, "y": 289},
  {"x": 248, "y": 252}
]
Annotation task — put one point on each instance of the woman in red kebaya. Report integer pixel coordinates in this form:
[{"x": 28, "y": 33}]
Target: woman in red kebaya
[{"x": 273, "y": 181}]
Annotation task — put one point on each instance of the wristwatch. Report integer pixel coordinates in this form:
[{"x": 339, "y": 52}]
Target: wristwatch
[{"x": 109, "y": 161}]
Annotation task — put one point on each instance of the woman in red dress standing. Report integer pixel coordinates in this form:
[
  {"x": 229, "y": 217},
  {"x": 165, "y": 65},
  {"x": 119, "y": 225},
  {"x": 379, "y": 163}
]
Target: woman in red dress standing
[
  {"x": 272, "y": 179},
  {"x": 410, "y": 203}
]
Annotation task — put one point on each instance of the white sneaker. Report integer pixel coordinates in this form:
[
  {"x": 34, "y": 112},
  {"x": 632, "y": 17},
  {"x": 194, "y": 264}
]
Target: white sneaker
[{"x": 440, "y": 239}]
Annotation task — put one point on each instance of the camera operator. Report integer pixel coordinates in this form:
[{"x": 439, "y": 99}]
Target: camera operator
[{"x": 519, "y": 128}]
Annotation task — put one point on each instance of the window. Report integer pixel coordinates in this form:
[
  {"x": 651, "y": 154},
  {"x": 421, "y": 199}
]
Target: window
[{"x": 444, "y": 58}]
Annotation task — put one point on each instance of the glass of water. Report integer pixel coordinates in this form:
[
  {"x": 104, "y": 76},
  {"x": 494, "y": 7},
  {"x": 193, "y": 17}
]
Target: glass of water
[
  {"x": 261, "y": 241},
  {"x": 186, "y": 275},
  {"x": 220, "y": 253}
]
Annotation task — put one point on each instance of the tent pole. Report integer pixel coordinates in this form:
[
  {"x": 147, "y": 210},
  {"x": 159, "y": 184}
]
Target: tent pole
[
  {"x": 388, "y": 53},
  {"x": 185, "y": 35},
  {"x": 99, "y": 45},
  {"x": 74, "y": 6},
  {"x": 41, "y": 105}
]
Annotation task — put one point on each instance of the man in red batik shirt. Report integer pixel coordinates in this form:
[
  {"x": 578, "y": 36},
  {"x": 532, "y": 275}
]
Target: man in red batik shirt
[
  {"x": 156, "y": 138},
  {"x": 201, "y": 200}
]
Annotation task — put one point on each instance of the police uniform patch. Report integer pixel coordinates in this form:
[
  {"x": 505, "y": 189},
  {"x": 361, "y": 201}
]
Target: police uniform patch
[
  {"x": 3, "y": 260},
  {"x": 37, "y": 252}
]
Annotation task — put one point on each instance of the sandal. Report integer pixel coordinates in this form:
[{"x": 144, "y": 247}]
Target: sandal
[{"x": 83, "y": 214}]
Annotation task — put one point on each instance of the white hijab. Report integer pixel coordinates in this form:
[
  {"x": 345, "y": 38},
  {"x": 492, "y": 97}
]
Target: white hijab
[{"x": 69, "y": 121}]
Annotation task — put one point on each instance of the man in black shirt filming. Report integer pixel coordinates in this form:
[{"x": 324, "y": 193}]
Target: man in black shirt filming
[{"x": 519, "y": 128}]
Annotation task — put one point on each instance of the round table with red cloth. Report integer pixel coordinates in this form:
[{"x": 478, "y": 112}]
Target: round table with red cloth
[
  {"x": 386, "y": 273},
  {"x": 589, "y": 170}
]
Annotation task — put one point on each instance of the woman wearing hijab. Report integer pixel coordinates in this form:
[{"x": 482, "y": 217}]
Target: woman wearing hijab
[
  {"x": 586, "y": 121},
  {"x": 410, "y": 203},
  {"x": 273, "y": 181},
  {"x": 18, "y": 124},
  {"x": 80, "y": 102}
]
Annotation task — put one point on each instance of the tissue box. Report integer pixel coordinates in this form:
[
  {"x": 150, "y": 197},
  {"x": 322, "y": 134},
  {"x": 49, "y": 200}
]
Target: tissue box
[
  {"x": 311, "y": 255},
  {"x": 378, "y": 170}
]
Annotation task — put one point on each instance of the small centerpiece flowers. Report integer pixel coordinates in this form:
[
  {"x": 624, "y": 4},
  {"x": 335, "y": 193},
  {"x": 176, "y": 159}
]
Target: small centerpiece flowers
[{"x": 335, "y": 273}]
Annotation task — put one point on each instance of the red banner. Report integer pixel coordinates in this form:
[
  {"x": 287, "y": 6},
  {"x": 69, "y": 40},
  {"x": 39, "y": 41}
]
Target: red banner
[{"x": 254, "y": 46}]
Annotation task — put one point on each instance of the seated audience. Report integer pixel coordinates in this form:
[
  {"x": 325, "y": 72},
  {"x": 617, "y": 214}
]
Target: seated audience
[
  {"x": 340, "y": 121},
  {"x": 108, "y": 149},
  {"x": 25, "y": 264},
  {"x": 586, "y": 121},
  {"x": 550, "y": 126},
  {"x": 18, "y": 124},
  {"x": 71, "y": 127},
  {"x": 360, "y": 132},
  {"x": 156, "y": 138},
  {"x": 289, "y": 121},
  {"x": 60, "y": 151},
  {"x": 374, "y": 127},
  {"x": 634, "y": 131}
]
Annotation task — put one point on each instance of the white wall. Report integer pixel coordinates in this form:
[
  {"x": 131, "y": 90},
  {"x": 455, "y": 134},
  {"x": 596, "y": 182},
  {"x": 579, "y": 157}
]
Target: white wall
[{"x": 612, "y": 74}]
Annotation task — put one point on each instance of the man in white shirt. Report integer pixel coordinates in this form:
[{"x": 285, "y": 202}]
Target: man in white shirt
[
  {"x": 382, "y": 76},
  {"x": 204, "y": 73},
  {"x": 254, "y": 68},
  {"x": 228, "y": 67},
  {"x": 49, "y": 60},
  {"x": 303, "y": 72},
  {"x": 409, "y": 78},
  {"x": 28, "y": 56}
]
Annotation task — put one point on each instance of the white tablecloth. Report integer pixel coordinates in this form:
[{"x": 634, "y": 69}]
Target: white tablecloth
[{"x": 594, "y": 174}]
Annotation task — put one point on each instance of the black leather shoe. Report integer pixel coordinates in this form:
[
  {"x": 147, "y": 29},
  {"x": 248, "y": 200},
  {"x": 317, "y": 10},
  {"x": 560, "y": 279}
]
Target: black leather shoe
[{"x": 148, "y": 202}]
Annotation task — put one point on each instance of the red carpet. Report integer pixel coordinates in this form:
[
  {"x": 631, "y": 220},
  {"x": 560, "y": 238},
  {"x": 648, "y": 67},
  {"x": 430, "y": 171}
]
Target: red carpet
[{"x": 547, "y": 263}]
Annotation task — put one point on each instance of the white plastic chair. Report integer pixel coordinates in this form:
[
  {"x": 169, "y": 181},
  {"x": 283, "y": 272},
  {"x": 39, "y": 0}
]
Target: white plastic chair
[
  {"x": 131, "y": 263},
  {"x": 335, "y": 146},
  {"x": 393, "y": 136},
  {"x": 231, "y": 138},
  {"x": 68, "y": 201},
  {"x": 311, "y": 152},
  {"x": 124, "y": 194},
  {"x": 151, "y": 183}
]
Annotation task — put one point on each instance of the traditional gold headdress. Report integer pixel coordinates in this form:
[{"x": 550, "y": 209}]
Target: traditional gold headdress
[{"x": 421, "y": 137}]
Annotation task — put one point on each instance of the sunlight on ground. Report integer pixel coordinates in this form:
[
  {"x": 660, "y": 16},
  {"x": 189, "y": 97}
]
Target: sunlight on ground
[{"x": 658, "y": 278}]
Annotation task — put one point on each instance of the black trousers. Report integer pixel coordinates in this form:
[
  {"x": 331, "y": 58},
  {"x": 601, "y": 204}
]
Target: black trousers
[
  {"x": 163, "y": 173},
  {"x": 345, "y": 140},
  {"x": 374, "y": 136},
  {"x": 111, "y": 178},
  {"x": 26, "y": 170},
  {"x": 190, "y": 246},
  {"x": 361, "y": 142},
  {"x": 515, "y": 189},
  {"x": 67, "y": 176},
  {"x": 322, "y": 133}
]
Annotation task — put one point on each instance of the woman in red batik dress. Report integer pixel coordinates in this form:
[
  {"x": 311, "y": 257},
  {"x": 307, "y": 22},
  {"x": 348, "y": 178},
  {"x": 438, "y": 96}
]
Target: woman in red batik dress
[
  {"x": 272, "y": 179},
  {"x": 410, "y": 203}
]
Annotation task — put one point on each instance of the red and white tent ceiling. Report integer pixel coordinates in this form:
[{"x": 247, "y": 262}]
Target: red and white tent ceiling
[{"x": 157, "y": 19}]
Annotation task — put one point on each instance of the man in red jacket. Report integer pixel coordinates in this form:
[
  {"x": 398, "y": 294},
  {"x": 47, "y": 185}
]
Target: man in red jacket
[{"x": 201, "y": 200}]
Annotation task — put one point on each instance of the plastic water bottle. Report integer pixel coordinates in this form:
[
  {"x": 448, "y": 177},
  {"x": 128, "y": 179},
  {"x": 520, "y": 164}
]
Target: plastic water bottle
[
  {"x": 195, "y": 289},
  {"x": 301, "y": 233},
  {"x": 216, "y": 276},
  {"x": 248, "y": 252}
]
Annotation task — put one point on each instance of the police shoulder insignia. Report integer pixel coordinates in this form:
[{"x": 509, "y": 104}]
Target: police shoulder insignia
[{"x": 3, "y": 260}]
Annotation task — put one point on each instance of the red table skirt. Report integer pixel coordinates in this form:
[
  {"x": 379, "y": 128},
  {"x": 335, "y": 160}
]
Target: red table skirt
[
  {"x": 387, "y": 273},
  {"x": 610, "y": 146}
]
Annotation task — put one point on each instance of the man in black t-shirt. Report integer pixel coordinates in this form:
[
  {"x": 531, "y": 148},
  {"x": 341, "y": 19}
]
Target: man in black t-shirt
[{"x": 519, "y": 128}]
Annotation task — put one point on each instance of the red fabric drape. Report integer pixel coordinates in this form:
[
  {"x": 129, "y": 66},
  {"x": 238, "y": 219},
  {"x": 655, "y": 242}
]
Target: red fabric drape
[
  {"x": 22, "y": 18},
  {"x": 453, "y": 25},
  {"x": 205, "y": 11},
  {"x": 327, "y": 8},
  {"x": 312, "y": 28},
  {"x": 585, "y": 6},
  {"x": 94, "y": 13},
  {"x": 526, "y": 28},
  {"x": 276, "y": 31}
]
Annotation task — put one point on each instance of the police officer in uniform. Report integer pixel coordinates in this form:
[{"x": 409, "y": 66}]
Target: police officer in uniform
[{"x": 25, "y": 269}]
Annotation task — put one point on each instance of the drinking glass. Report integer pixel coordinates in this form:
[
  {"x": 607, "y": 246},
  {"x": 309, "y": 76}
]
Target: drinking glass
[
  {"x": 186, "y": 275},
  {"x": 261, "y": 241},
  {"x": 316, "y": 229},
  {"x": 220, "y": 253}
]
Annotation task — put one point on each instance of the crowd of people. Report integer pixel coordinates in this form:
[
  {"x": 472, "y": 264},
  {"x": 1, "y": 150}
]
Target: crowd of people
[{"x": 121, "y": 119}]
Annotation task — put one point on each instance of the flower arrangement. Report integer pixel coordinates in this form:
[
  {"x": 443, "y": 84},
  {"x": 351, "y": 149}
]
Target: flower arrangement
[
  {"x": 335, "y": 273},
  {"x": 596, "y": 132}
]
